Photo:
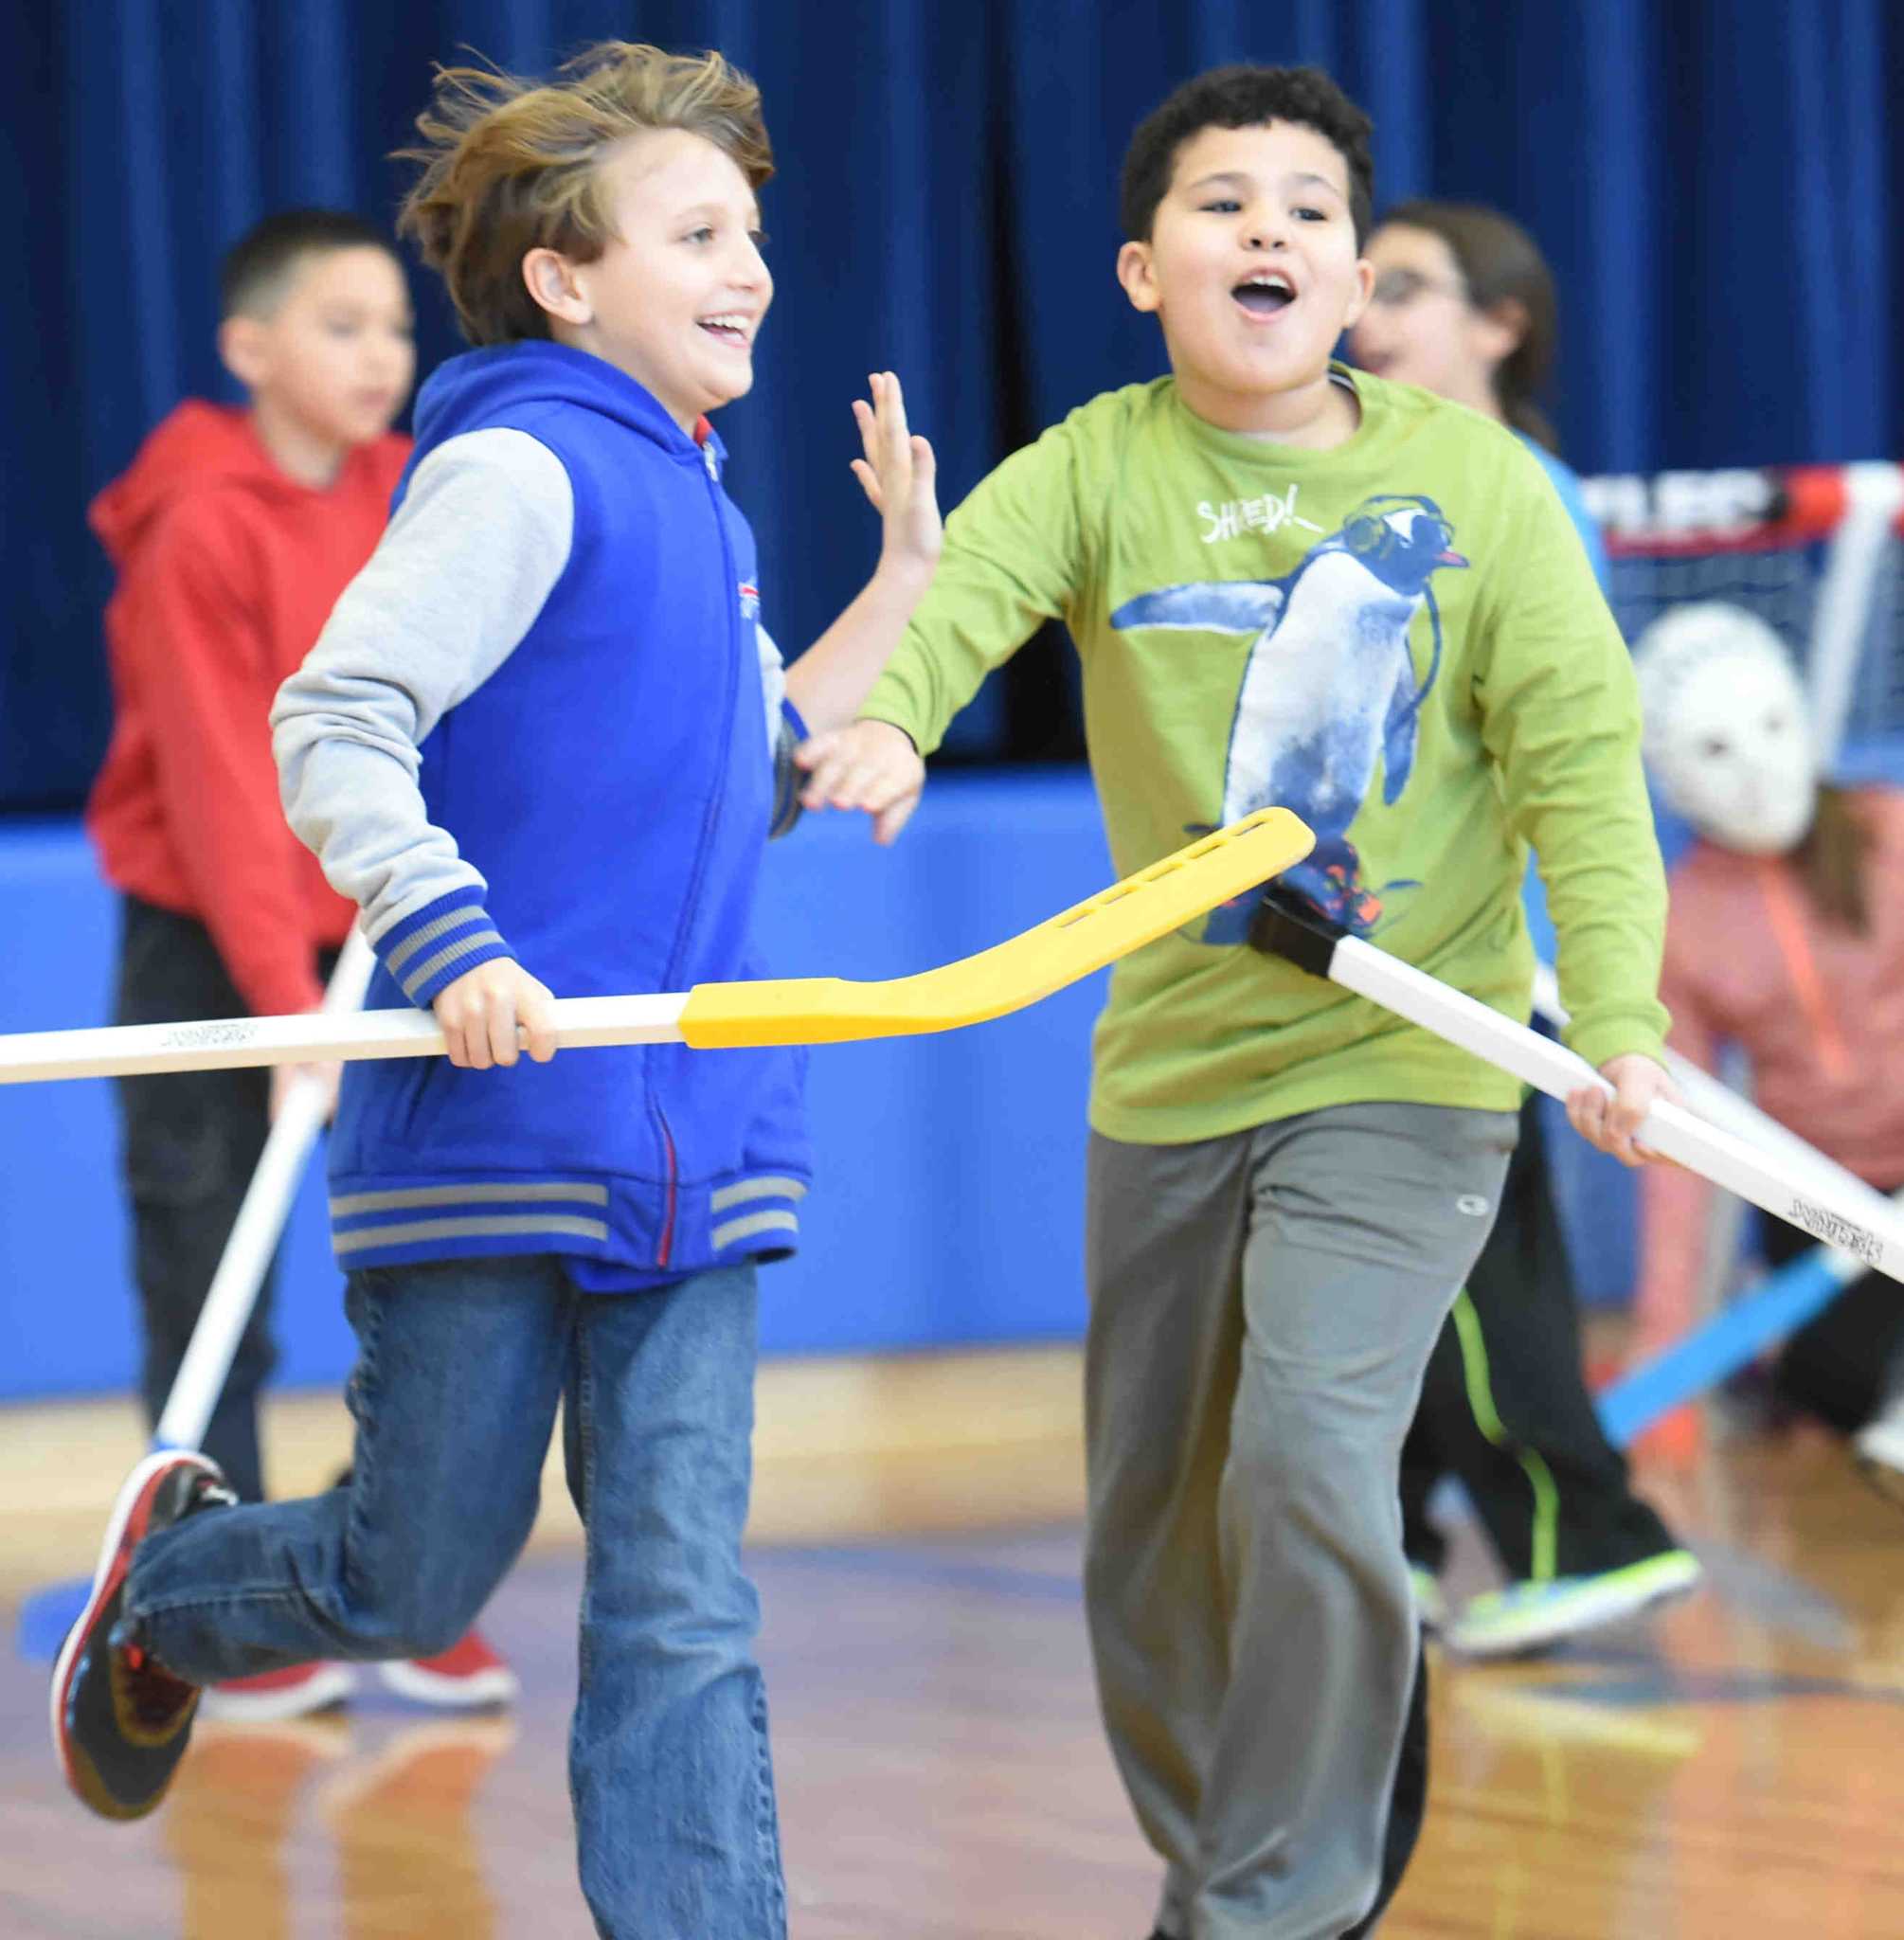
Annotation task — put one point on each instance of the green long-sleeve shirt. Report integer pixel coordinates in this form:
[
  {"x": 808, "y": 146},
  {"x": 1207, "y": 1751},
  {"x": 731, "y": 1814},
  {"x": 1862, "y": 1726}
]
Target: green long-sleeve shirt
[{"x": 1400, "y": 640}]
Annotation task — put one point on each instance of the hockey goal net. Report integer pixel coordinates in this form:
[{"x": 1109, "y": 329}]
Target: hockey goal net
[{"x": 1815, "y": 551}]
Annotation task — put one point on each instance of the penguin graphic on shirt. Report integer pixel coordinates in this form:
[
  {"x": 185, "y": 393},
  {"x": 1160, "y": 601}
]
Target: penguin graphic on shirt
[{"x": 1328, "y": 689}]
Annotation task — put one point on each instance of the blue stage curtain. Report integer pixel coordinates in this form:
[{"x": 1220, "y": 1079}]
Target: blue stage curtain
[{"x": 1715, "y": 185}]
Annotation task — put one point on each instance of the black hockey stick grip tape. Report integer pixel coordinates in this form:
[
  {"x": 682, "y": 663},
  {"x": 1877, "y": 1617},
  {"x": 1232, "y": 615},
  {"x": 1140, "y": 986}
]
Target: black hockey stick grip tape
[{"x": 1303, "y": 937}]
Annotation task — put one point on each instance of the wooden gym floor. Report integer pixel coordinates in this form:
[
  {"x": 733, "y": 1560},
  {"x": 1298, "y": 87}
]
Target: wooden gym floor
[{"x": 1730, "y": 1769}]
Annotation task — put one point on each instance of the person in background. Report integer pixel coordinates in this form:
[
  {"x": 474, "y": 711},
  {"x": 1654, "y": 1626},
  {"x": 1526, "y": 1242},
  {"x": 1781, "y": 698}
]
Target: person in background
[
  {"x": 232, "y": 534},
  {"x": 1786, "y": 939},
  {"x": 1463, "y": 306}
]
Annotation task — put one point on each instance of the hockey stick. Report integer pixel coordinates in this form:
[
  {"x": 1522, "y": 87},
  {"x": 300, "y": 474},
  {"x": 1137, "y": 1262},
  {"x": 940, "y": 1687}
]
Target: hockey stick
[
  {"x": 46, "y": 1614},
  {"x": 1110, "y": 925},
  {"x": 809, "y": 1009},
  {"x": 1718, "y": 1104},
  {"x": 1719, "y": 1346},
  {"x": 1325, "y": 949},
  {"x": 255, "y": 1233}
]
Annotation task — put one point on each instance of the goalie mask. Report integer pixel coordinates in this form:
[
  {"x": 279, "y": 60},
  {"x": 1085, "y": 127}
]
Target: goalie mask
[{"x": 1727, "y": 734}]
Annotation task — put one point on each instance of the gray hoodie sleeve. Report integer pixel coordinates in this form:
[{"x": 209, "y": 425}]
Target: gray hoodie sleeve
[{"x": 475, "y": 548}]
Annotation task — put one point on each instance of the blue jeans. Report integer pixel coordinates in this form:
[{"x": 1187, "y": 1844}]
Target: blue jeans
[{"x": 461, "y": 1365}]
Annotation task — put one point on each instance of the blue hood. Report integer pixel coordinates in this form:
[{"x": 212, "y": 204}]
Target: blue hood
[
  {"x": 612, "y": 780},
  {"x": 481, "y": 386}
]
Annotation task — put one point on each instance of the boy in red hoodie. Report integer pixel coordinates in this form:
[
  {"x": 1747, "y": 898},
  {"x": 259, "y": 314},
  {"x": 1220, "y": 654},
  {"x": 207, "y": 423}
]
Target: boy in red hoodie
[{"x": 233, "y": 534}]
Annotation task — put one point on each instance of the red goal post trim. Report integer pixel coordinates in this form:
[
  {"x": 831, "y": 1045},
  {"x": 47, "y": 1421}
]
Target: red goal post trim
[{"x": 1683, "y": 515}]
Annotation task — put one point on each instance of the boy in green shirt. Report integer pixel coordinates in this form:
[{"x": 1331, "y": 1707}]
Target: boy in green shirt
[{"x": 1290, "y": 583}]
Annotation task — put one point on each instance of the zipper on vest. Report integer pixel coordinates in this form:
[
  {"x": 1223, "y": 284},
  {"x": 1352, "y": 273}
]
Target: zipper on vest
[
  {"x": 664, "y": 1253},
  {"x": 729, "y": 600},
  {"x": 710, "y": 820}
]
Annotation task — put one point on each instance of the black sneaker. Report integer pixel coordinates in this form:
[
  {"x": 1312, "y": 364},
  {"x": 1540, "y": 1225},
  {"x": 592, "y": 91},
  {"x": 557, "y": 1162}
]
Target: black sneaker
[{"x": 120, "y": 1720}]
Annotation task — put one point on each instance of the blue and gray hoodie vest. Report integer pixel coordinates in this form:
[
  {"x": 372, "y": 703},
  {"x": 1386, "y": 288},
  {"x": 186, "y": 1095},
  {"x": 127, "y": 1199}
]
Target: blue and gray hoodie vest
[{"x": 609, "y": 788}]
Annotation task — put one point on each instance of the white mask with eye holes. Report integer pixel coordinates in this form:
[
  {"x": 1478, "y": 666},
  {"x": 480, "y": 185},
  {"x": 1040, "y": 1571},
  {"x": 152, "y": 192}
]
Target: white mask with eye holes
[{"x": 1727, "y": 733}]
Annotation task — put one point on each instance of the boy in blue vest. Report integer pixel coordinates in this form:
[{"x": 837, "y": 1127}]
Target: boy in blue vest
[{"x": 543, "y": 727}]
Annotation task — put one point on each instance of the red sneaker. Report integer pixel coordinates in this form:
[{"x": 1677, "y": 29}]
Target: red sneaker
[
  {"x": 467, "y": 1677},
  {"x": 120, "y": 1719},
  {"x": 273, "y": 1696}
]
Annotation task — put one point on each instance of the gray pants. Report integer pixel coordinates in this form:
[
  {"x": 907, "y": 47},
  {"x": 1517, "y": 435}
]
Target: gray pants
[{"x": 1262, "y": 1307}]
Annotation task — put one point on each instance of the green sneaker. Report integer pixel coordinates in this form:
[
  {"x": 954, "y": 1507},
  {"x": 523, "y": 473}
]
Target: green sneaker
[{"x": 1528, "y": 1617}]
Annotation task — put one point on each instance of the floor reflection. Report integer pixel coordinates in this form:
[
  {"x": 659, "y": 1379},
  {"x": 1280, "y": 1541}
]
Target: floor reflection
[
  {"x": 395, "y": 1806},
  {"x": 1726, "y": 1770}
]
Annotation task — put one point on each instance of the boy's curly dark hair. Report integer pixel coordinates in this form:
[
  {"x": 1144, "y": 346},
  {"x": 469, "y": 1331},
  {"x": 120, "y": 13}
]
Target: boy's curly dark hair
[{"x": 1245, "y": 97}]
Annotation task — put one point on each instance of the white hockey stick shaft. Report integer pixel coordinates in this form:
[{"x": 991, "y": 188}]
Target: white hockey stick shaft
[
  {"x": 1718, "y": 1104},
  {"x": 1875, "y": 1236},
  {"x": 223, "y": 1044},
  {"x": 233, "y": 1293}
]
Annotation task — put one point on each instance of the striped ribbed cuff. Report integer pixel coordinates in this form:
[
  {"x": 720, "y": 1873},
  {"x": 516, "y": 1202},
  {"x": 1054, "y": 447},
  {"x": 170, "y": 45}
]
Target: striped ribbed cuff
[{"x": 429, "y": 949}]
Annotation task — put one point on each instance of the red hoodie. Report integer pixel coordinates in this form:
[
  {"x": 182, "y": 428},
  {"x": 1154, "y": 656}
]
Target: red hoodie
[{"x": 227, "y": 570}]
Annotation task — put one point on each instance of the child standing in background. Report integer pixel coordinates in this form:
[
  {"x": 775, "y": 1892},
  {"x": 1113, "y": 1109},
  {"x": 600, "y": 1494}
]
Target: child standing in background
[
  {"x": 1787, "y": 942},
  {"x": 232, "y": 534},
  {"x": 1463, "y": 305}
]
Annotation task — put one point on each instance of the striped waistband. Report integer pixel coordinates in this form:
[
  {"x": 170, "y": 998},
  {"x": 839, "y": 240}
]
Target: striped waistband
[
  {"x": 556, "y": 1214},
  {"x": 763, "y": 1215},
  {"x": 411, "y": 1216}
]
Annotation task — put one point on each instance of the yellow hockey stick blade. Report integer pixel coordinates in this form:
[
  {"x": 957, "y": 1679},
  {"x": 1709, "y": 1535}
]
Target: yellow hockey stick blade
[
  {"x": 1152, "y": 903},
  {"x": 817, "y": 1009}
]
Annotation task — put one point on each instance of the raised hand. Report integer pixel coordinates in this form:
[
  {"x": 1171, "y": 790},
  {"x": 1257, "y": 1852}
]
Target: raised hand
[{"x": 899, "y": 475}]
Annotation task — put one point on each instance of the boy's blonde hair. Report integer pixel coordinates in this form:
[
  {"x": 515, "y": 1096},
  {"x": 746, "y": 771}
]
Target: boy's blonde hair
[{"x": 512, "y": 165}]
